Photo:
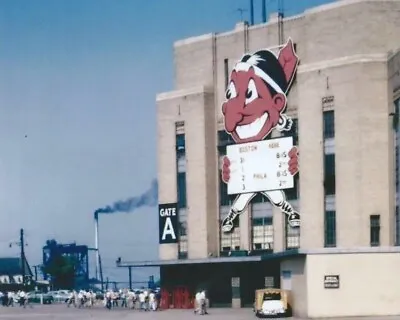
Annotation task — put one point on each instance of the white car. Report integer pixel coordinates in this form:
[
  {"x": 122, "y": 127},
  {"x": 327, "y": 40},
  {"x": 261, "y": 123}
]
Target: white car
[
  {"x": 61, "y": 295},
  {"x": 272, "y": 307}
]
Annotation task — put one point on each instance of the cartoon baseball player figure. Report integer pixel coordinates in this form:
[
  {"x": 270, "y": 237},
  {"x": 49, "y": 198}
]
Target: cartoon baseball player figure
[{"x": 256, "y": 99}]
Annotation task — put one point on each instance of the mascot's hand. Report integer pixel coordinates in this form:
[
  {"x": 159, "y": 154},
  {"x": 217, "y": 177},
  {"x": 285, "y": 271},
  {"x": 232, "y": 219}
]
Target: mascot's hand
[
  {"x": 293, "y": 161},
  {"x": 285, "y": 123},
  {"x": 226, "y": 171}
]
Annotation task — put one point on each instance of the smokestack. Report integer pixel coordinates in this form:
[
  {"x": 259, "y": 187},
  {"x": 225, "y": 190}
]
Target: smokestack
[
  {"x": 264, "y": 11},
  {"x": 96, "y": 243},
  {"x": 251, "y": 12},
  {"x": 148, "y": 198}
]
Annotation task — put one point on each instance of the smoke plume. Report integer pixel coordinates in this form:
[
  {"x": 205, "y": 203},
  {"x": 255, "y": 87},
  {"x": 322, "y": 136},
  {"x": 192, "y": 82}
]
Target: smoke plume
[{"x": 149, "y": 199}]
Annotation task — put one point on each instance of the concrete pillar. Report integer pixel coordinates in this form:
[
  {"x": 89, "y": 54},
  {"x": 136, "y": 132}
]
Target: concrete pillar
[
  {"x": 245, "y": 229},
  {"x": 278, "y": 218},
  {"x": 236, "y": 301},
  {"x": 278, "y": 222}
]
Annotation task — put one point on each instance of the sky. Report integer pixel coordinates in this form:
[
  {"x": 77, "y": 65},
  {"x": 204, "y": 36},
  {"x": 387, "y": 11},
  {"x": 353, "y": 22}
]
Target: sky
[{"x": 78, "y": 81}]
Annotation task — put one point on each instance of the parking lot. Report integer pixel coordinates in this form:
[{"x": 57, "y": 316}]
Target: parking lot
[
  {"x": 56, "y": 312},
  {"x": 61, "y": 312}
]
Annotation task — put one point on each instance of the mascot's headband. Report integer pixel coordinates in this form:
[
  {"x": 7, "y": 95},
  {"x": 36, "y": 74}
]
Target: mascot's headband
[{"x": 244, "y": 66}]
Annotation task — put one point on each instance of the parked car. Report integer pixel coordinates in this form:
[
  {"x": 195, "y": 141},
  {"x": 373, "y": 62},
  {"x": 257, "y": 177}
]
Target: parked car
[
  {"x": 60, "y": 295},
  {"x": 99, "y": 295},
  {"x": 37, "y": 296},
  {"x": 272, "y": 303}
]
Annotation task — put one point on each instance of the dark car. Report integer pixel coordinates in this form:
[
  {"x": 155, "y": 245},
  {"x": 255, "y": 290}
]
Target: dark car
[{"x": 99, "y": 295}]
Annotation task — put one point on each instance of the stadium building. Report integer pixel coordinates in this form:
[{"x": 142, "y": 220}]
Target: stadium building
[{"x": 342, "y": 92}]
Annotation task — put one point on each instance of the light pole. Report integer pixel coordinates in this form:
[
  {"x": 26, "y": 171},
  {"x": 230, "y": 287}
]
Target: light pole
[{"x": 21, "y": 243}]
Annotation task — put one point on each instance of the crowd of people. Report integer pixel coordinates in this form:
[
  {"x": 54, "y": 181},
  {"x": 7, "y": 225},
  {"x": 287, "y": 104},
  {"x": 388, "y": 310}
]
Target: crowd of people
[
  {"x": 145, "y": 300},
  {"x": 9, "y": 299}
]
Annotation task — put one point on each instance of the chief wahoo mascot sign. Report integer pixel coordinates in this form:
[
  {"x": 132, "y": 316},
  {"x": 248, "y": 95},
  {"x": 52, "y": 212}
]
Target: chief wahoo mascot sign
[{"x": 255, "y": 103}]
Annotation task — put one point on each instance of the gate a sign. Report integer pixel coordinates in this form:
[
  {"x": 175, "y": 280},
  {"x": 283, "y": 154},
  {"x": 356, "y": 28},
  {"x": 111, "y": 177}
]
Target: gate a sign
[{"x": 168, "y": 223}]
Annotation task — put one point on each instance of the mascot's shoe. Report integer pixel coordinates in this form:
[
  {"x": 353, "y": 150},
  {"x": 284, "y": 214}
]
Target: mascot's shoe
[
  {"x": 227, "y": 223},
  {"x": 294, "y": 219}
]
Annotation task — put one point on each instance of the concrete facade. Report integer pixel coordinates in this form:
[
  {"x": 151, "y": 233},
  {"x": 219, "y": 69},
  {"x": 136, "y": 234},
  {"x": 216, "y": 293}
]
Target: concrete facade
[{"x": 348, "y": 51}]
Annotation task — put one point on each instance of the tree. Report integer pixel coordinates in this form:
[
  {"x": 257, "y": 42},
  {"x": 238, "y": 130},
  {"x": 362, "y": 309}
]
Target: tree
[{"x": 61, "y": 268}]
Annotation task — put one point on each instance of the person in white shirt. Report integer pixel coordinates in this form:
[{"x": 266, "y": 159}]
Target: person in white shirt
[
  {"x": 124, "y": 298},
  {"x": 108, "y": 299},
  {"x": 204, "y": 300},
  {"x": 197, "y": 302},
  {"x": 80, "y": 299},
  {"x": 146, "y": 300},
  {"x": 22, "y": 298},
  {"x": 92, "y": 298},
  {"x": 71, "y": 299},
  {"x": 88, "y": 298},
  {"x": 142, "y": 301},
  {"x": 152, "y": 301},
  {"x": 131, "y": 299}
]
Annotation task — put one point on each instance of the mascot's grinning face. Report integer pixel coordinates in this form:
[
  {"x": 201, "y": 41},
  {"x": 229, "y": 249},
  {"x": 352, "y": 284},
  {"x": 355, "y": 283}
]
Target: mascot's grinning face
[
  {"x": 256, "y": 94},
  {"x": 251, "y": 111}
]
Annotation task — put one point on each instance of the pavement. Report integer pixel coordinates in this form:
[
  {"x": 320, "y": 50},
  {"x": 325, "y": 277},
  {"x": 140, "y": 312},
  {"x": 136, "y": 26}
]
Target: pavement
[{"x": 62, "y": 312}]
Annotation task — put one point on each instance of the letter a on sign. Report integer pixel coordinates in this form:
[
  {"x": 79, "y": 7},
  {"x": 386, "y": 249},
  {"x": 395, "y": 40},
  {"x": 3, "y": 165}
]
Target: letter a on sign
[
  {"x": 168, "y": 223},
  {"x": 168, "y": 230}
]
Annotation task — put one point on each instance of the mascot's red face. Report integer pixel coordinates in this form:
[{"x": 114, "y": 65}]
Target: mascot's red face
[{"x": 254, "y": 100}]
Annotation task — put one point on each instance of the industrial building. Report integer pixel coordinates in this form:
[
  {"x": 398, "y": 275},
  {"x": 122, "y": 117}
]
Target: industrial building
[
  {"x": 12, "y": 273},
  {"x": 344, "y": 102}
]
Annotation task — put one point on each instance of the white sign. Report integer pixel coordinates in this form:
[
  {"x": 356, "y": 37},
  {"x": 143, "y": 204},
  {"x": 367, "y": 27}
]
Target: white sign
[
  {"x": 260, "y": 166},
  {"x": 168, "y": 223}
]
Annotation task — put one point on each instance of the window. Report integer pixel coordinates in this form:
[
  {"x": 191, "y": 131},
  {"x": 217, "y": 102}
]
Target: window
[
  {"x": 330, "y": 229},
  {"x": 375, "y": 228},
  {"x": 329, "y": 171},
  {"x": 329, "y": 124},
  {"x": 182, "y": 229},
  {"x": 183, "y": 243},
  {"x": 226, "y": 72},
  {"x": 181, "y": 152},
  {"x": 259, "y": 198},
  {"x": 263, "y": 234},
  {"x": 180, "y": 142},
  {"x": 181, "y": 189},
  {"x": 224, "y": 139},
  {"x": 293, "y": 132},
  {"x": 292, "y": 236},
  {"x": 181, "y": 168},
  {"x": 182, "y": 234},
  {"x": 230, "y": 241},
  {"x": 225, "y": 199},
  {"x": 292, "y": 194}
]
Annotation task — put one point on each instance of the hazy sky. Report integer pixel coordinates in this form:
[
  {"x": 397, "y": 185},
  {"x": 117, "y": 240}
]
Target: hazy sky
[{"x": 78, "y": 80}]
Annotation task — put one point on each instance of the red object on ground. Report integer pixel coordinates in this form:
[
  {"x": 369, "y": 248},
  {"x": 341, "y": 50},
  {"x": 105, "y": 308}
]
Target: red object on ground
[
  {"x": 165, "y": 299},
  {"x": 181, "y": 298}
]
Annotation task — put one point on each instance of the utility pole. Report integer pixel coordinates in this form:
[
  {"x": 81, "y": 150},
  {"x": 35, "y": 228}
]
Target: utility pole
[
  {"x": 22, "y": 242},
  {"x": 130, "y": 277},
  {"x": 36, "y": 273},
  {"x": 264, "y": 11},
  {"x": 252, "y": 12},
  {"x": 280, "y": 21}
]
